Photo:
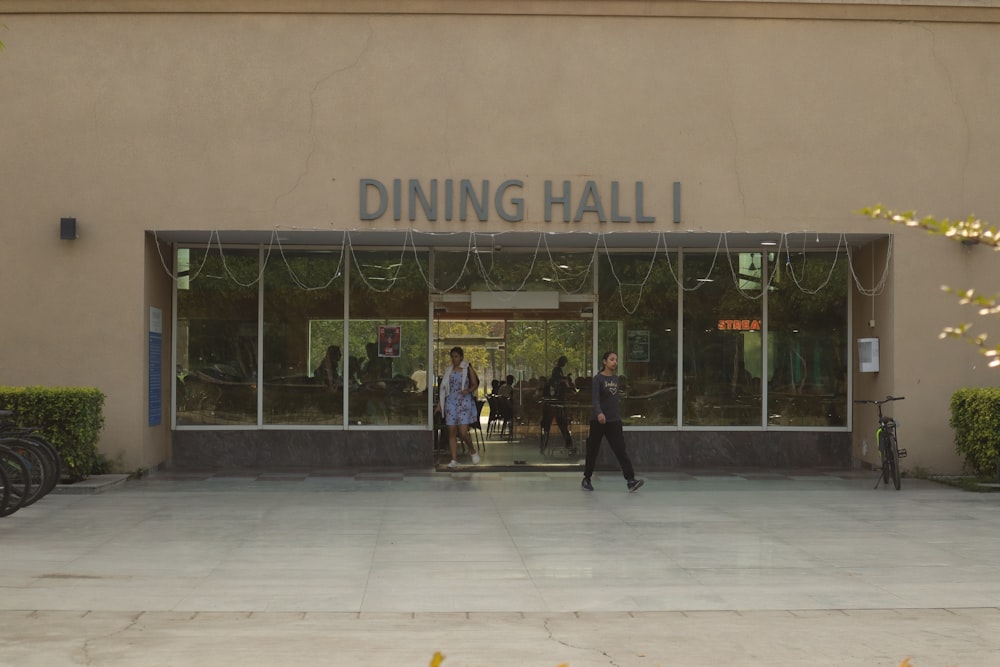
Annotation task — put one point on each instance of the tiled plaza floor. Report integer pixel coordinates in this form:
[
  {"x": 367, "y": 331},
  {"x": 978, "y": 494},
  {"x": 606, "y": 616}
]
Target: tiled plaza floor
[{"x": 498, "y": 568}]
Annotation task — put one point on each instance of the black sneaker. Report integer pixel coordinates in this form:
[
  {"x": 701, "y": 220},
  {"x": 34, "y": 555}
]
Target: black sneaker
[
  {"x": 586, "y": 484},
  {"x": 634, "y": 484}
]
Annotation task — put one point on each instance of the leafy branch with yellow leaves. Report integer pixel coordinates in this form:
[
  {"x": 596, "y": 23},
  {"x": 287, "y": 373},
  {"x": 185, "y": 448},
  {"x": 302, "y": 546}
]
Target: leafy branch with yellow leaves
[{"x": 970, "y": 231}]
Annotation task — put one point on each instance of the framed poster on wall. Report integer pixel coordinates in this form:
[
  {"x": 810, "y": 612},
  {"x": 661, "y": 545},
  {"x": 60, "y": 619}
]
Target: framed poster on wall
[
  {"x": 388, "y": 341},
  {"x": 638, "y": 345}
]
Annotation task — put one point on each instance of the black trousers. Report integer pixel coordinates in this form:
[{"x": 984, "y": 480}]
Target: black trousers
[
  {"x": 616, "y": 438},
  {"x": 548, "y": 412}
]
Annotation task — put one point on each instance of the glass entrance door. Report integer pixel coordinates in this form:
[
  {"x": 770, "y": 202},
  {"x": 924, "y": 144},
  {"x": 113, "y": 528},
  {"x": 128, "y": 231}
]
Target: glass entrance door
[{"x": 525, "y": 420}]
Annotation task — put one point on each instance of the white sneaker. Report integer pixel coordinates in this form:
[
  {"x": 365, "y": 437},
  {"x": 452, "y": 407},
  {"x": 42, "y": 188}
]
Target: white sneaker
[
  {"x": 453, "y": 464},
  {"x": 475, "y": 457}
]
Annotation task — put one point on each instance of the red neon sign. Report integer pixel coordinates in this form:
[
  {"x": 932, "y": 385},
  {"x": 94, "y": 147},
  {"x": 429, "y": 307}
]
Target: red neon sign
[{"x": 739, "y": 325}]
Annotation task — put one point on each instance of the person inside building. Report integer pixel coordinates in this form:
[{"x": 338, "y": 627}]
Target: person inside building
[
  {"x": 419, "y": 378},
  {"x": 375, "y": 369},
  {"x": 504, "y": 404},
  {"x": 327, "y": 372},
  {"x": 554, "y": 403},
  {"x": 506, "y": 390}
]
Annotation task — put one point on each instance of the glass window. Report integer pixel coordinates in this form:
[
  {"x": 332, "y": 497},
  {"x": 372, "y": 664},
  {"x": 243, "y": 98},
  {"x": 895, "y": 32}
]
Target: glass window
[
  {"x": 533, "y": 350},
  {"x": 723, "y": 357},
  {"x": 638, "y": 312},
  {"x": 807, "y": 333},
  {"x": 526, "y": 343},
  {"x": 387, "y": 338},
  {"x": 302, "y": 359},
  {"x": 217, "y": 336},
  {"x": 490, "y": 270},
  {"x": 481, "y": 342}
]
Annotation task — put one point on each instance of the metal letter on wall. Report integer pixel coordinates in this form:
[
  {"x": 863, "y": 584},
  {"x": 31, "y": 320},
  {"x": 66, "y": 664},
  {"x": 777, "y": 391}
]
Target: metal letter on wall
[
  {"x": 590, "y": 191},
  {"x": 550, "y": 200},
  {"x": 518, "y": 202},
  {"x": 383, "y": 198}
]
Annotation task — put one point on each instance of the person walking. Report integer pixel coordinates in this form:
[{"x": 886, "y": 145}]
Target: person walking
[
  {"x": 606, "y": 422},
  {"x": 554, "y": 405},
  {"x": 456, "y": 391}
]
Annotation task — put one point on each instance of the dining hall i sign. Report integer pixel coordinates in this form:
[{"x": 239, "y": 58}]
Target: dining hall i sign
[{"x": 464, "y": 199}]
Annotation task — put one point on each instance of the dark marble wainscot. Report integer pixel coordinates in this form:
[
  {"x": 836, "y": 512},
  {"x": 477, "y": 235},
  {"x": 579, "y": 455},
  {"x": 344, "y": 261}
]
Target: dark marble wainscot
[
  {"x": 268, "y": 449},
  {"x": 694, "y": 450}
]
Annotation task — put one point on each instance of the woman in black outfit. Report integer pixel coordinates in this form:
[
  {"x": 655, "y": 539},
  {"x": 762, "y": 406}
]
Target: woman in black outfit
[
  {"x": 606, "y": 422},
  {"x": 559, "y": 384}
]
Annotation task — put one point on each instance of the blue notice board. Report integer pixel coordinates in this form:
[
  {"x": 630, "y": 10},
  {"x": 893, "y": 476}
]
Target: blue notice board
[{"x": 155, "y": 366}]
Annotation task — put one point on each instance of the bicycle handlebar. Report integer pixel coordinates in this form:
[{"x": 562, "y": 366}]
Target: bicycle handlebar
[{"x": 887, "y": 400}]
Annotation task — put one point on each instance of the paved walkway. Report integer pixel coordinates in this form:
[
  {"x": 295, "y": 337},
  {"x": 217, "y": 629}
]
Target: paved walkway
[{"x": 499, "y": 569}]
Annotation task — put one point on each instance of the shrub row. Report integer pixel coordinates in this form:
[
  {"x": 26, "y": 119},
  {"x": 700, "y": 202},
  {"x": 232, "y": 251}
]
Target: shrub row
[
  {"x": 975, "y": 416},
  {"x": 71, "y": 418}
]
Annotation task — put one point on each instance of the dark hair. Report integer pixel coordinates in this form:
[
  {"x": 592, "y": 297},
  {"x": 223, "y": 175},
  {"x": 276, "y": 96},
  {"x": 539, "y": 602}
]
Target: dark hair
[
  {"x": 457, "y": 349},
  {"x": 562, "y": 361},
  {"x": 604, "y": 358}
]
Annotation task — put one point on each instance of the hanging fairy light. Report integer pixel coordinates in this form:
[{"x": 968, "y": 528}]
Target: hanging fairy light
[{"x": 476, "y": 247}]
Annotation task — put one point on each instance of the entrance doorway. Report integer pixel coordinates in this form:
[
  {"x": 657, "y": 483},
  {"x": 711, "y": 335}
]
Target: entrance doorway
[{"x": 523, "y": 423}]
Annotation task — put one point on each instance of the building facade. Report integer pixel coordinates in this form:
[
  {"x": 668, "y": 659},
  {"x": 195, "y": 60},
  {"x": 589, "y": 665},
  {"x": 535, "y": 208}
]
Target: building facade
[{"x": 280, "y": 216}]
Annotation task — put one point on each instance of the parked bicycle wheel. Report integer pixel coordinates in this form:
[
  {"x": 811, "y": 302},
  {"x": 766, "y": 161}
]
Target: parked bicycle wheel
[
  {"x": 40, "y": 467},
  {"x": 19, "y": 478},
  {"x": 4, "y": 492},
  {"x": 57, "y": 464},
  {"x": 893, "y": 456},
  {"x": 48, "y": 450},
  {"x": 883, "y": 450}
]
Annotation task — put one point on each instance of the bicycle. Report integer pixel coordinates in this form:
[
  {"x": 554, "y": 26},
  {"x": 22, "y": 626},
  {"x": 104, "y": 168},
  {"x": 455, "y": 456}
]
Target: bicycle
[
  {"x": 30, "y": 467},
  {"x": 888, "y": 444}
]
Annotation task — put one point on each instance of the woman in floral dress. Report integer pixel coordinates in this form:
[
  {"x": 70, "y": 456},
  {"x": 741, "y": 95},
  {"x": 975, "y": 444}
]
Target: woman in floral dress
[{"x": 457, "y": 391}]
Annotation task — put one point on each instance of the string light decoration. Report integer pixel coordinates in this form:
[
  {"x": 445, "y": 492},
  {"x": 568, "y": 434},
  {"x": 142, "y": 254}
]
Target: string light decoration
[
  {"x": 298, "y": 282},
  {"x": 645, "y": 279},
  {"x": 488, "y": 279},
  {"x": 879, "y": 287},
  {"x": 427, "y": 280},
  {"x": 790, "y": 269},
  {"x": 476, "y": 247},
  {"x": 759, "y": 293},
  {"x": 701, "y": 282},
  {"x": 556, "y": 268}
]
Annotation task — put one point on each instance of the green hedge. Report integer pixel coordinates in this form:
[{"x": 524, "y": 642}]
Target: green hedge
[
  {"x": 71, "y": 418},
  {"x": 975, "y": 416}
]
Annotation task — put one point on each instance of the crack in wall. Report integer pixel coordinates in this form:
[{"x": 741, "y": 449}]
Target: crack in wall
[
  {"x": 736, "y": 153},
  {"x": 447, "y": 143},
  {"x": 312, "y": 112}
]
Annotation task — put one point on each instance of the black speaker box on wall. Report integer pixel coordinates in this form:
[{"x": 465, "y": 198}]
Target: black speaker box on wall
[{"x": 67, "y": 229}]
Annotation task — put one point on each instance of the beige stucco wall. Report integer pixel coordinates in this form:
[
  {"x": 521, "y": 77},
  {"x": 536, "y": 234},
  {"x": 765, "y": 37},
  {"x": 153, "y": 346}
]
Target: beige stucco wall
[
  {"x": 909, "y": 316},
  {"x": 140, "y": 121}
]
